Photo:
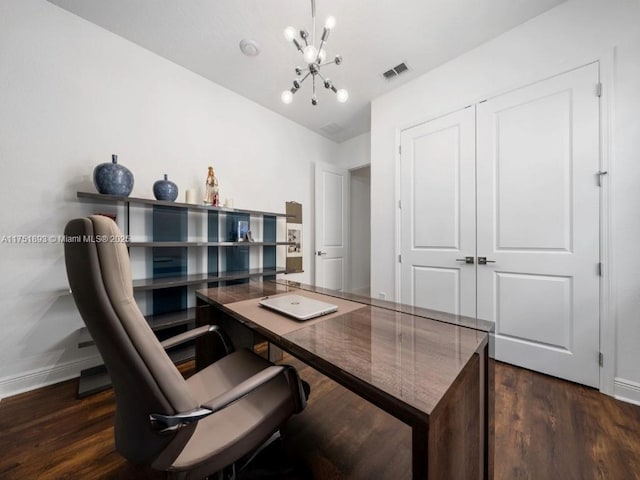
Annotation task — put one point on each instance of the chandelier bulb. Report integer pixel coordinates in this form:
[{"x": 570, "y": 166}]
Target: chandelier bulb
[
  {"x": 296, "y": 83},
  {"x": 338, "y": 59},
  {"x": 314, "y": 101},
  {"x": 327, "y": 83},
  {"x": 342, "y": 95},
  {"x": 309, "y": 54},
  {"x": 289, "y": 34},
  {"x": 298, "y": 71},
  {"x": 304, "y": 34},
  {"x": 330, "y": 22},
  {"x": 286, "y": 97},
  {"x": 322, "y": 55}
]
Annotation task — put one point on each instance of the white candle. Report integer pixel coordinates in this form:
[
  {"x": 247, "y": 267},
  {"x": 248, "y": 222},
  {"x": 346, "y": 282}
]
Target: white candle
[{"x": 190, "y": 196}]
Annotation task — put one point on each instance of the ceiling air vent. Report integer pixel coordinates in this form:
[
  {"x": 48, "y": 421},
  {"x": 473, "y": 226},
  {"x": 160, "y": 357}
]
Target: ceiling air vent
[
  {"x": 395, "y": 71},
  {"x": 331, "y": 128},
  {"x": 389, "y": 74}
]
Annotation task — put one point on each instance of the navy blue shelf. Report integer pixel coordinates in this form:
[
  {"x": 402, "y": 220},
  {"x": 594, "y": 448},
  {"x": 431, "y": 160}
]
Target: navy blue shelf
[{"x": 196, "y": 278}]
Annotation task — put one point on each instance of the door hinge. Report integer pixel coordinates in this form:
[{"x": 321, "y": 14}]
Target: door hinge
[
  {"x": 400, "y": 204},
  {"x": 600, "y": 268},
  {"x": 601, "y": 359},
  {"x": 598, "y": 89},
  {"x": 400, "y": 258},
  {"x": 601, "y": 174},
  {"x": 400, "y": 149}
]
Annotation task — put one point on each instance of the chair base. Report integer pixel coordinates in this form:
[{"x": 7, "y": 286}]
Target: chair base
[{"x": 243, "y": 468}]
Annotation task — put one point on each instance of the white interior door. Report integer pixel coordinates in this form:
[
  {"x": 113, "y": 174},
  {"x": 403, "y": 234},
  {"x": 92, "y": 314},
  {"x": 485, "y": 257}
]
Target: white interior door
[
  {"x": 332, "y": 226},
  {"x": 437, "y": 165},
  {"x": 538, "y": 220}
]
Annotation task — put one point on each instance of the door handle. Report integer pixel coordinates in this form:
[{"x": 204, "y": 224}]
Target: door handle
[
  {"x": 466, "y": 260},
  {"x": 484, "y": 261},
  {"x": 320, "y": 253}
]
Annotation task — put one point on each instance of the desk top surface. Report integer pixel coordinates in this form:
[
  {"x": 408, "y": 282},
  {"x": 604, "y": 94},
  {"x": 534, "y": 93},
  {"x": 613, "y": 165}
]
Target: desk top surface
[
  {"x": 399, "y": 356},
  {"x": 235, "y": 293}
]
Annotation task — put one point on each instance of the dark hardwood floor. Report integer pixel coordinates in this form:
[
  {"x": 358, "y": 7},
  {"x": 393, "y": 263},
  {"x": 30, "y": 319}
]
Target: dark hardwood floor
[{"x": 545, "y": 429}]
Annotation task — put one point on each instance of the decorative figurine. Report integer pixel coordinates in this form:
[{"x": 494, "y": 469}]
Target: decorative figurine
[{"x": 211, "y": 192}]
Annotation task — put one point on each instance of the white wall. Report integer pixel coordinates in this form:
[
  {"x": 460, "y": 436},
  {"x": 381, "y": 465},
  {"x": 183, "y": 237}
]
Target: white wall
[
  {"x": 355, "y": 152},
  {"x": 571, "y": 35},
  {"x": 71, "y": 94}
]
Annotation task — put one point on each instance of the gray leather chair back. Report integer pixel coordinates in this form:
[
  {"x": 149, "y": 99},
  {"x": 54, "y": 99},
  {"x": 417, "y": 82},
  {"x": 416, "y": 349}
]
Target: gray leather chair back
[{"x": 145, "y": 380}]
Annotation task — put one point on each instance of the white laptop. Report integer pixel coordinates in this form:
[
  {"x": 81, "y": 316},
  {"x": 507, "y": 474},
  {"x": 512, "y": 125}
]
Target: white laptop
[{"x": 299, "y": 307}]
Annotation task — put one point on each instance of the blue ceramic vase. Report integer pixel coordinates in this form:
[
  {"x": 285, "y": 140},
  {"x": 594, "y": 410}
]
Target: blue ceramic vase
[
  {"x": 165, "y": 189},
  {"x": 112, "y": 178}
]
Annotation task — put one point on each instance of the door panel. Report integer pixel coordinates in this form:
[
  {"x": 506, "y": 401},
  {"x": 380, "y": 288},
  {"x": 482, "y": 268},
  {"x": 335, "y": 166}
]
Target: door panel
[
  {"x": 437, "y": 288},
  {"x": 332, "y": 188},
  {"x": 533, "y": 174},
  {"x": 538, "y": 220},
  {"x": 332, "y": 273},
  {"x": 332, "y": 217},
  {"x": 435, "y": 166},
  {"x": 519, "y": 316},
  {"x": 438, "y": 213}
]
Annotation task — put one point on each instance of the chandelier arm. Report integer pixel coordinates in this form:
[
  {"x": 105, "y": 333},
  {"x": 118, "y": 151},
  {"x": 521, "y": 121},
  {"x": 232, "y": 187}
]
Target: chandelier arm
[
  {"x": 325, "y": 35},
  {"x": 297, "y": 45},
  {"x": 327, "y": 63},
  {"x": 322, "y": 43},
  {"x": 305, "y": 77},
  {"x": 314, "y": 85}
]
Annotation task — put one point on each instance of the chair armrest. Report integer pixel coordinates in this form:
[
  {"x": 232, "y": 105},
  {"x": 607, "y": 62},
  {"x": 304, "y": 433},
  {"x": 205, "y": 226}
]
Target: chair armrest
[
  {"x": 166, "y": 423},
  {"x": 195, "y": 333},
  {"x": 243, "y": 388}
]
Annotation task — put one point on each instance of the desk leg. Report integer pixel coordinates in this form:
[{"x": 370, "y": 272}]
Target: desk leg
[
  {"x": 420, "y": 451},
  {"x": 275, "y": 353},
  {"x": 489, "y": 415},
  {"x": 205, "y": 346}
]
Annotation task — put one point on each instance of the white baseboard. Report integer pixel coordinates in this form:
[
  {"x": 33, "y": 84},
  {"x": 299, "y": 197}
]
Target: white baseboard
[
  {"x": 626, "y": 390},
  {"x": 10, "y": 386}
]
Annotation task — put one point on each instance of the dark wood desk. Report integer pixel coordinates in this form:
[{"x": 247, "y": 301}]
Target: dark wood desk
[{"x": 431, "y": 374}]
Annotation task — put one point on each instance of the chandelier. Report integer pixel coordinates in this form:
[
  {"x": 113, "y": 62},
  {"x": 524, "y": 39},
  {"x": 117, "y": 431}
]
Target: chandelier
[{"x": 315, "y": 60}]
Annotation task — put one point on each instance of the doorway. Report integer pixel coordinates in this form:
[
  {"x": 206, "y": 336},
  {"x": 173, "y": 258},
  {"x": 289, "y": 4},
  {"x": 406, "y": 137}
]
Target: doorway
[{"x": 360, "y": 231}]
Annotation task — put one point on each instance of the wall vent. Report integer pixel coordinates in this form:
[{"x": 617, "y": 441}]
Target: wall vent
[{"x": 395, "y": 71}]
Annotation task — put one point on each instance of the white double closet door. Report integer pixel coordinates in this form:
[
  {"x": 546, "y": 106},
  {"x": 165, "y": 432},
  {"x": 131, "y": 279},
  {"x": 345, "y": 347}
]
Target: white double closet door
[{"x": 513, "y": 180}]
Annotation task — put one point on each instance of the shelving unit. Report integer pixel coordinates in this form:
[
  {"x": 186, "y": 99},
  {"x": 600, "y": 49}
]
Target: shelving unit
[{"x": 177, "y": 260}]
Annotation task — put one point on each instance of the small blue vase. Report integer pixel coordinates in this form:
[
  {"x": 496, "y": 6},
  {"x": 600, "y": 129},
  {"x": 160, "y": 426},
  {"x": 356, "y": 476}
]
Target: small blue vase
[
  {"x": 113, "y": 179},
  {"x": 165, "y": 189}
]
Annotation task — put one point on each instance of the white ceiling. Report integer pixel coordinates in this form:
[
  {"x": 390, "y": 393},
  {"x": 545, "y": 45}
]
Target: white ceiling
[{"x": 372, "y": 37}]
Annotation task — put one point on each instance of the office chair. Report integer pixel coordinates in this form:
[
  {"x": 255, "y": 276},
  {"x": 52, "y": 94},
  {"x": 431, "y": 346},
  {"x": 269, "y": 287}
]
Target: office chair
[{"x": 190, "y": 428}]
